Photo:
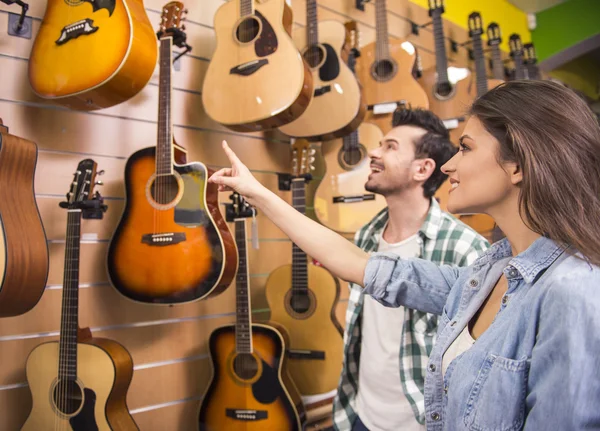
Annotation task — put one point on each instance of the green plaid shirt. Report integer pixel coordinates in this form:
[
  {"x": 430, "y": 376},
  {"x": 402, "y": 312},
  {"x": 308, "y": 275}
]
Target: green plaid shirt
[{"x": 444, "y": 240}]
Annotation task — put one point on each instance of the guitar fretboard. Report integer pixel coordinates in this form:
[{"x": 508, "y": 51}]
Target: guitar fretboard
[
  {"x": 243, "y": 321},
  {"x": 441, "y": 60},
  {"x": 381, "y": 35},
  {"x": 480, "y": 72},
  {"x": 312, "y": 23},
  {"x": 299, "y": 260},
  {"x": 164, "y": 148},
  {"x": 497, "y": 64},
  {"x": 67, "y": 364},
  {"x": 517, "y": 55},
  {"x": 246, "y": 7}
]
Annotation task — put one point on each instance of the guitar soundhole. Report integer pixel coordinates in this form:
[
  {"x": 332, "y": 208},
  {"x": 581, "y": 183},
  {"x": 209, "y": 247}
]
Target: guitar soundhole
[
  {"x": 300, "y": 303},
  {"x": 383, "y": 70},
  {"x": 314, "y": 56},
  {"x": 68, "y": 397},
  {"x": 443, "y": 89},
  {"x": 349, "y": 158},
  {"x": 164, "y": 189},
  {"x": 248, "y": 30},
  {"x": 245, "y": 366}
]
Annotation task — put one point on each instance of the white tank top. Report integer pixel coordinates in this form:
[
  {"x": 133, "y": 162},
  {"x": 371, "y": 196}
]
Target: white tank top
[{"x": 460, "y": 345}]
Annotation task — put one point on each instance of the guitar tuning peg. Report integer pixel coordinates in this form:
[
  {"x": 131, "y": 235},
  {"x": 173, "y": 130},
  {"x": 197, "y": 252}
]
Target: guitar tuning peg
[
  {"x": 99, "y": 183},
  {"x": 312, "y": 159},
  {"x": 312, "y": 168},
  {"x": 100, "y": 172},
  {"x": 312, "y": 152},
  {"x": 183, "y": 27}
]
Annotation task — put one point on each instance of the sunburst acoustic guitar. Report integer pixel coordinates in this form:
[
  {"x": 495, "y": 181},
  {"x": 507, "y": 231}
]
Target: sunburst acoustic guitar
[
  {"x": 268, "y": 82},
  {"x": 114, "y": 37},
  {"x": 250, "y": 388},
  {"x": 322, "y": 45},
  {"x": 78, "y": 383},
  {"x": 23, "y": 247},
  {"x": 172, "y": 244}
]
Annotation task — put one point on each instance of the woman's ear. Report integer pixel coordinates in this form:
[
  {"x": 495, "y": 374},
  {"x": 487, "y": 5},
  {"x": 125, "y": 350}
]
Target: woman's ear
[{"x": 515, "y": 173}]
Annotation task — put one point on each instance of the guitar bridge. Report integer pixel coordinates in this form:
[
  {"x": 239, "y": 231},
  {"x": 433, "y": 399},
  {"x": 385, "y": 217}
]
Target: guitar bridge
[
  {"x": 322, "y": 90},
  {"x": 246, "y": 415},
  {"x": 249, "y": 68},
  {"x": 162, "y": 239},
  {"x": 306, "y": 354},
  {"x": 353, "y": 199},
  {"x": 73, "y": 31}
]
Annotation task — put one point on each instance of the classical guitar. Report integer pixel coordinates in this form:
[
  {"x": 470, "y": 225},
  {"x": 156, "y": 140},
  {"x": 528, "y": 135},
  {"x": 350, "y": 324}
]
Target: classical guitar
[
  {"x": 250, "y": 388},
  {"x": 78, "y": 383},
  {"x": 23, "y": 247},
  {"x": 322, "y": 45},
  {"x": 494, "y": 36},
  {"x": 341, "y": 201},
  {"x": 302, "y": 298},
  {"x": 114, "y": 37},
  {"x": 447, "y": 87},
  {"x": 516, "y": 53},
  {"x": 530, "y": 61},
  {"x": 172, "y": 244},
  {"x": 267, "y": 81}
]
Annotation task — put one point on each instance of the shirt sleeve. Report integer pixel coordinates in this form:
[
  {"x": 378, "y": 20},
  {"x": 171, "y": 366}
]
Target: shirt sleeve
[
  {"x": 413, "y": 283},
  {"x": 564, "y": 388}
]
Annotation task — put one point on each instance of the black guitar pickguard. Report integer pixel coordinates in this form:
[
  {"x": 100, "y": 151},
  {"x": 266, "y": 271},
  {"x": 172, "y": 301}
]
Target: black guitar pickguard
[
  {"x": 331, "y": 68},
  {"x": 85, "y": 420},
  {"x": 267, "y": 388},
  {"x": 266, "y": 44},
  {"x": 109, "y": 5}
]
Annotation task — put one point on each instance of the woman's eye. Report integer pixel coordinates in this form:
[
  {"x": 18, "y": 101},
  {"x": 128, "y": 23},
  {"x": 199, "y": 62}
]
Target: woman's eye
[{"x": 462, "y": 147}]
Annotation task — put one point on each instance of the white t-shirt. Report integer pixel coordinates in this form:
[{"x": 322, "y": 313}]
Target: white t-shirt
[{"x": 380, "y": 402}]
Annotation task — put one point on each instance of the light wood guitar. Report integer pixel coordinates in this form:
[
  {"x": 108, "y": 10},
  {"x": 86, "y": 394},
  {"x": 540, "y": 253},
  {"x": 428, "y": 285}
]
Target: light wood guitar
[
  {"x": 322, "y": 45},
  {"x": 250, "y": 388},
  {"x": 114, "y": 37},
  {"x": 78, "y": 383},
  {"x": 385, "y": 68},
  {"x": 172, "y": 244},
  {"x": 341, "y": 201},
  {"x": 267, "y": 81},
  {"x": 302, "y": 298},
  {"x": 23, "y": 247}
]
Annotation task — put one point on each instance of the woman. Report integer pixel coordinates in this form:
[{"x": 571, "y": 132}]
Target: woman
[{"x": 518, "y": 343}]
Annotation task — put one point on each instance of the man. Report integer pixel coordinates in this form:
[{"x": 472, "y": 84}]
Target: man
[{"x": 386, "y": 349}]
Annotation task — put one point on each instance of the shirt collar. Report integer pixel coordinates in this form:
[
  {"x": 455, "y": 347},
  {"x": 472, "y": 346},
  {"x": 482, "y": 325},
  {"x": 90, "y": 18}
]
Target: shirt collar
[{"x": 428, "y": 229}]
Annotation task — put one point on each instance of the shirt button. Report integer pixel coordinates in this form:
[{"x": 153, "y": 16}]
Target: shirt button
[
  {"x": 504, "y": 299},
  {"x": 473, "y": 283},
  {"x": 432, "y": 367},
  {"x": 435, "y": 416},
  {"x": 512, "y": 273}
]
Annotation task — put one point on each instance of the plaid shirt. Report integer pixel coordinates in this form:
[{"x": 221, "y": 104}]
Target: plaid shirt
[{"x": 445, "y": 241}]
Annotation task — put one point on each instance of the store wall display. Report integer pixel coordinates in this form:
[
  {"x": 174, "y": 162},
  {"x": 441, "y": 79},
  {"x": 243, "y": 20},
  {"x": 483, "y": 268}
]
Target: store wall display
[
  {"x": 172, "y": 244},
  {"x": 114, "y": 37},
  {"x": 168, "y": 344},
  {"x": 302, "y": 298},
  {"x": 250, "y": 388},
  {"x": 259, "y": 65},
  {"x": 79, "y": 382},
  {"x": 23, "y": 250},
  {"x": 323, "y": 46}
]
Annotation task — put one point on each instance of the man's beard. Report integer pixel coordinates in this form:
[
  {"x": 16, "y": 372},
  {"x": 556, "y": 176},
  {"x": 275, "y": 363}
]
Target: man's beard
[{"x": 384, "y": 190}]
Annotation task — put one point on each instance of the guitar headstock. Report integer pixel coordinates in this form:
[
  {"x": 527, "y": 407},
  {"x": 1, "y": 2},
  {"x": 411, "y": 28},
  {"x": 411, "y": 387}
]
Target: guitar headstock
[
  {"x": 353, "y": 37},
  {"x": 494, "y": 34},
  {"x": 83, "y": 185},
  {"x": 516, "y": 47},
  {"x": 238, "y": 208},
  {"x": 436, "y": 7},
  {"x": 171, "y": 23},
  {"x": 302, "y": 159},
  {"x": 475, "y": 24},
  {"x": 529, "y": 53}
]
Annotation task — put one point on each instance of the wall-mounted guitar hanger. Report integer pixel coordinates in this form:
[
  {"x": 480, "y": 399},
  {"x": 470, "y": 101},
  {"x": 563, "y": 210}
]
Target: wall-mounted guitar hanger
[{"x": 19, "y": 25}]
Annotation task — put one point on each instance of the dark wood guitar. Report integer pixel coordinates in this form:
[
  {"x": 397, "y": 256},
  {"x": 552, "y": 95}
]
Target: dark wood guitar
[
  {"x": 114, "y": 37},
  {"x": 23, "y": 247},
  {"x": 79, "y": 383},
  {"x": 250, "y": 388},
  {"x": 172, "y": 244},
  {"x": 257, "y": 62}
]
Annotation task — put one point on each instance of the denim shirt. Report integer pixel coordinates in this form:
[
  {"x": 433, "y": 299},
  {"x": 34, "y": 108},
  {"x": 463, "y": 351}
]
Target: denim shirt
[{"x": 537, "y": 367}]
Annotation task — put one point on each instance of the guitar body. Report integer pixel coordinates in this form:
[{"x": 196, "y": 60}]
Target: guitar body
[
  {"x": 269, "y": 82},
  {"x": 316, "y": 331},
  {"x": 23, "y": 247},
  {"x": 114, "y": 37},
  {"x": 334, "y": 85},
  {"x": 104, "y": 372},
  {"x": 346, "y": 176},
  {"x": 260, "y": 400},
  {"x": 200, "y": 259},
  {"x": 397, "y": 84}
]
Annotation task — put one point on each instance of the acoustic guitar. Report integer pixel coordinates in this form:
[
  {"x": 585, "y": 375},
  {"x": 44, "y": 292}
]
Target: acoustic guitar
[
  {"x": 79, "y": 383},
  {"x": 250, "y": 388},
  {"x": 516, "y": 53},
  {"x": 385, "y": 69},
  {"x": 530, "y": 61},
  {"x": 266, "y": 79},
  {"x": 23, "y": 247},
  {"x": 494, "y": 36},
  {"x": 114, "y": 37},
  {"x": 447, "y": 87},
  {"x": 322, "y": 45},
  {"x": 341, "y": 201},
  {"x": 171, "y": 244},
  {"x": 302, "y": 298}
]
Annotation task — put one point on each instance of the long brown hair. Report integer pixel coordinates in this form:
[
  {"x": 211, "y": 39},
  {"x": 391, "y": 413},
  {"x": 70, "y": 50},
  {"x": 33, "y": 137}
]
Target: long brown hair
[{"x": 554, "y": 137}]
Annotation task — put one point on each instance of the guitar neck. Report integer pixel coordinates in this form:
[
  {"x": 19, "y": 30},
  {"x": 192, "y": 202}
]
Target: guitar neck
[
  {"x": 67, "y": 368},
  {"x": 312, "y": 23},
  {"x": 299, "y": 259},
  {"x": 497, "y": 64},
  {"x": 164, "y": 148},
  {"x": 243, "y": 320},
  {"x": 441, "y": 60},
  {"x": 246, "y": 7},
  {"x": 480, "y": 72},
  {"x": 381, "y": 38}
]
